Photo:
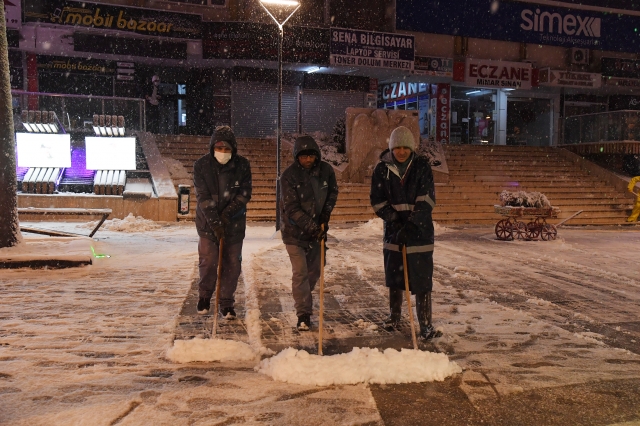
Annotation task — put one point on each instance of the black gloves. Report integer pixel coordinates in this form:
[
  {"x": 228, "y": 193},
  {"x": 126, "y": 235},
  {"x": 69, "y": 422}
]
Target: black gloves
[
  {"x": 218, "y": 230},
  {"x": 408, "y": 230},
  {"x": 318, "y": 234}
]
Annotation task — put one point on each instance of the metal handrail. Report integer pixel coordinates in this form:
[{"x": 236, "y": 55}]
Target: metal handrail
[{"x": 141, "y": 102}]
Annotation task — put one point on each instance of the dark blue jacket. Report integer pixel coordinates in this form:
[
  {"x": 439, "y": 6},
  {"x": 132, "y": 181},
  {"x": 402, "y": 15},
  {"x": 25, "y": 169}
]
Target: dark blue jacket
[
  {"x": 398, "y": 200},
  {"x": 222, "y": 188}
]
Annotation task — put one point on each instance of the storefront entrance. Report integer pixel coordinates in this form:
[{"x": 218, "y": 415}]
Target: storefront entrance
[{"x": 529, "y": 121}]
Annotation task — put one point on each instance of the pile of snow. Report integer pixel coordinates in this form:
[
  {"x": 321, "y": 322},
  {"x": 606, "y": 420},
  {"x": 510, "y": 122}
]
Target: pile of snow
[
  {"x": 130, "y": 223},
  {"x": 366, "y": 325},
  {"x": 361, "y": 365},
  {"x": 208, "y": 350}
]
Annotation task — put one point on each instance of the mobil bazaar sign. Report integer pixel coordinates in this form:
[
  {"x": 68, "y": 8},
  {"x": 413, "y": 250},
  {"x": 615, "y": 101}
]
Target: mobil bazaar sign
[
  {"x": 112, "y": 17},
  {"x": 371, "y": 49},
  {"x": 498, "y": 74}
]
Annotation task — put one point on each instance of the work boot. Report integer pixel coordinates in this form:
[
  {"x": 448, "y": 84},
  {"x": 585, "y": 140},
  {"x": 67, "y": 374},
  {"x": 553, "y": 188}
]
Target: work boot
[
  {"x": 304, "y": 322},
  {"x": 204, "y": 304},
  {"x": 395, "y": 307},
  {"x": 228, "y": 313},
  {"x": 423, "y": 309}
]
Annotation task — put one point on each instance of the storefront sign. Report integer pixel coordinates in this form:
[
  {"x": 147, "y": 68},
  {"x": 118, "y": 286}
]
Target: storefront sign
[
  {"x": 437, "y": 67},
  {"x": 401, "y": 90},
  {"x": 521, "y": 21},
  {"x": 622, "y": 102},
  {"x": 514, "y": 75},
  {"x": 549, "y": 77},
  {"x": 618, "y": 67},
  {"x": 250, "y": 40},
  {"x": 75, "y": 65},
  {"x": 13, "y": 13},
  {"x": 622, "y": 82},
  {"x": 442, "y": 95},
  {"x": 371, "y": 49},
  {"x": 89, "y": 15}
]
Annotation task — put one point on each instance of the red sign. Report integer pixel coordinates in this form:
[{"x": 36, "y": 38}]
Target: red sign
[
  {"x": 373, "y": 84},
  {"x": 443, "y": 112}
]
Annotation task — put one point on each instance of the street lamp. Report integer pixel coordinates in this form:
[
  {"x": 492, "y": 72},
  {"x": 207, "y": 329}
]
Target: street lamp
[{"x": 283, "y": 9}]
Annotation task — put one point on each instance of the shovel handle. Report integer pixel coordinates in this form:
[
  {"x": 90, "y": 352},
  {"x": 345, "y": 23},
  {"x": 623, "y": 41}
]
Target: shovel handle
[
  {"x": 406, "y": 291},
  {"x": 321, "y": 293},
  {"x": 217, "y": 298}
]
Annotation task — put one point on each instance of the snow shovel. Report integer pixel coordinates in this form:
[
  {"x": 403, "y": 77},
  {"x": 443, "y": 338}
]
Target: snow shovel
[
  {"x": 215, "y": 309},
  {"x": 321, "y": 293},
  {"x": 406, "y": 291}
]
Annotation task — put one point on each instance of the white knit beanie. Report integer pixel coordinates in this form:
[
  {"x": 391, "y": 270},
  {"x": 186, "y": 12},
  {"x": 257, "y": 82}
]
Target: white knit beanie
[{"x": 401, "y": 136}]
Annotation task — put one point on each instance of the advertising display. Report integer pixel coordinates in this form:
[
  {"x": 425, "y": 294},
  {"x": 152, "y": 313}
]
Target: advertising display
[
  {"x": 75, "y": 65},
  {"x": 110, "y": 153},
  {"x": 13, "y": 14},
  {"x": 523, "y": 22},
  {"x": 559, "y": 78},
  {"x": 252, "y": 40},
  {"x": 436, "y": 67},
  {"x": 498, "y": 74},
  {"x": 400, "y": 90},
  {"x": 618, "y": 67},
  {"x": 622, "y": 82},
  {"x": 43, "y": 149},
  {"x": 358, "y": 48},
  {"x": 111, "y": 17},
  {"x": 441, "y": 93}
]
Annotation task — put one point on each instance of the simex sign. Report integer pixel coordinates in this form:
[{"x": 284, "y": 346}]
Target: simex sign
[{"x": 556, "y": 23}]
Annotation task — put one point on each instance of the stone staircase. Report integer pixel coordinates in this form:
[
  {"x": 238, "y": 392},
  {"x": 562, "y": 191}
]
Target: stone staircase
[
  {"x": 477, "y": 175},
  {"x": 353, "y": 201}
]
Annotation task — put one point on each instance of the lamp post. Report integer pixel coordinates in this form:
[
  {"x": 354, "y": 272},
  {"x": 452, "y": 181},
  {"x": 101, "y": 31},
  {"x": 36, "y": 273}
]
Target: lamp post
[{"x": 279, "y": 8}]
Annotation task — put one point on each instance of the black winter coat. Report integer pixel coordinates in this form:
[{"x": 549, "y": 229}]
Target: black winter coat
[
  {"x": 397, "y": 201},
  {"x": 306, "y": 195},
  {"x": 222, "y": 189}
]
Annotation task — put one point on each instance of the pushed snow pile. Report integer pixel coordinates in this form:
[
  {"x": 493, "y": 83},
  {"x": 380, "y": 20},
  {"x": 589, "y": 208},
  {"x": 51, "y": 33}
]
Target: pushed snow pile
[
  {"x": 361, "y": 365},
  {"x": 130, "y": 223},
  {"x": 207, "y": 350}
]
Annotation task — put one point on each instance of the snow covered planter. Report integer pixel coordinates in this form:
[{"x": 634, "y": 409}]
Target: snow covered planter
[{"x": 361, "y": 365}]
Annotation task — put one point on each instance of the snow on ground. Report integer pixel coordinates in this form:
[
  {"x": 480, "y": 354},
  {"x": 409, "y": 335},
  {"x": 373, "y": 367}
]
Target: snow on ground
[
  {"x": 209, "y": 350},
  {"x": 89, "y": 345},
  {"x": 130, "y": 223}
]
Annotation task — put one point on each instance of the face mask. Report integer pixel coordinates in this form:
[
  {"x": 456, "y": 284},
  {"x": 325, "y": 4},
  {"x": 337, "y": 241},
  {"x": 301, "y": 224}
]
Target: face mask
[{"x": 222, "y": 157}]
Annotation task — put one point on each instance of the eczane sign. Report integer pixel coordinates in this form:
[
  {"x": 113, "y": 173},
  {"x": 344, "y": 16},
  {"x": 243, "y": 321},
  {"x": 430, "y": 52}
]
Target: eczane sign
[{"x": 498, "y": 74}]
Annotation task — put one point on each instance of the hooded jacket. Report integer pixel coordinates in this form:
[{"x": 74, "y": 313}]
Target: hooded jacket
[
  {"x": 400, "y": 199},
  {"x": 307, "y": 195},
  {"x": 222, "y": 191}
]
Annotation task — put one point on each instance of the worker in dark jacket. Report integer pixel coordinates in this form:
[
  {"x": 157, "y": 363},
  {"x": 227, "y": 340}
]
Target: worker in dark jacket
[
  {"x": 309, "y": 193},
  {"x": 403, "y": 195},
  {"x": 222, "y": 180}
]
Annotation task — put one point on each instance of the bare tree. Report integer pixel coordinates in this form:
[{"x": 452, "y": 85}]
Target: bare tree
[{"x": 9, "y": 227}]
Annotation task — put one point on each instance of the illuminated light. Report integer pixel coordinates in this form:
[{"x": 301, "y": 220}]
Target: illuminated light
[
  {"x": 110, "y": 153},
  {"x": 313, "y": 69},
  {"x": 98, "y": 256},
  {"x": 281, "y": 2},
  {"x": 601, "y": 149},
  {"x": 43, "y": 149},
  {"x": 473, "y": 92}
]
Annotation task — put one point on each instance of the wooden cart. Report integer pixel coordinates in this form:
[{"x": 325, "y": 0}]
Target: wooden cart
[{"x": 514, "y": 226}]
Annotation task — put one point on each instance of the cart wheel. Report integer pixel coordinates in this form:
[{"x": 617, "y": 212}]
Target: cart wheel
[
  {"x": 549, "y": 232},
  {"x": 533, "y": 230},
  {"x": 520, "y": 230},
  {"x": 504, "y": 230}
]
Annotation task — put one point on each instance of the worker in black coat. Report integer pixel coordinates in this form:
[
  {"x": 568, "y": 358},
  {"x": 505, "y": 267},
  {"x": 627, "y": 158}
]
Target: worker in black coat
[
  {"x": 309, "y": 193},
  {"x": 403, "y": 195},
  {"x": 222, "y": 180}
]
